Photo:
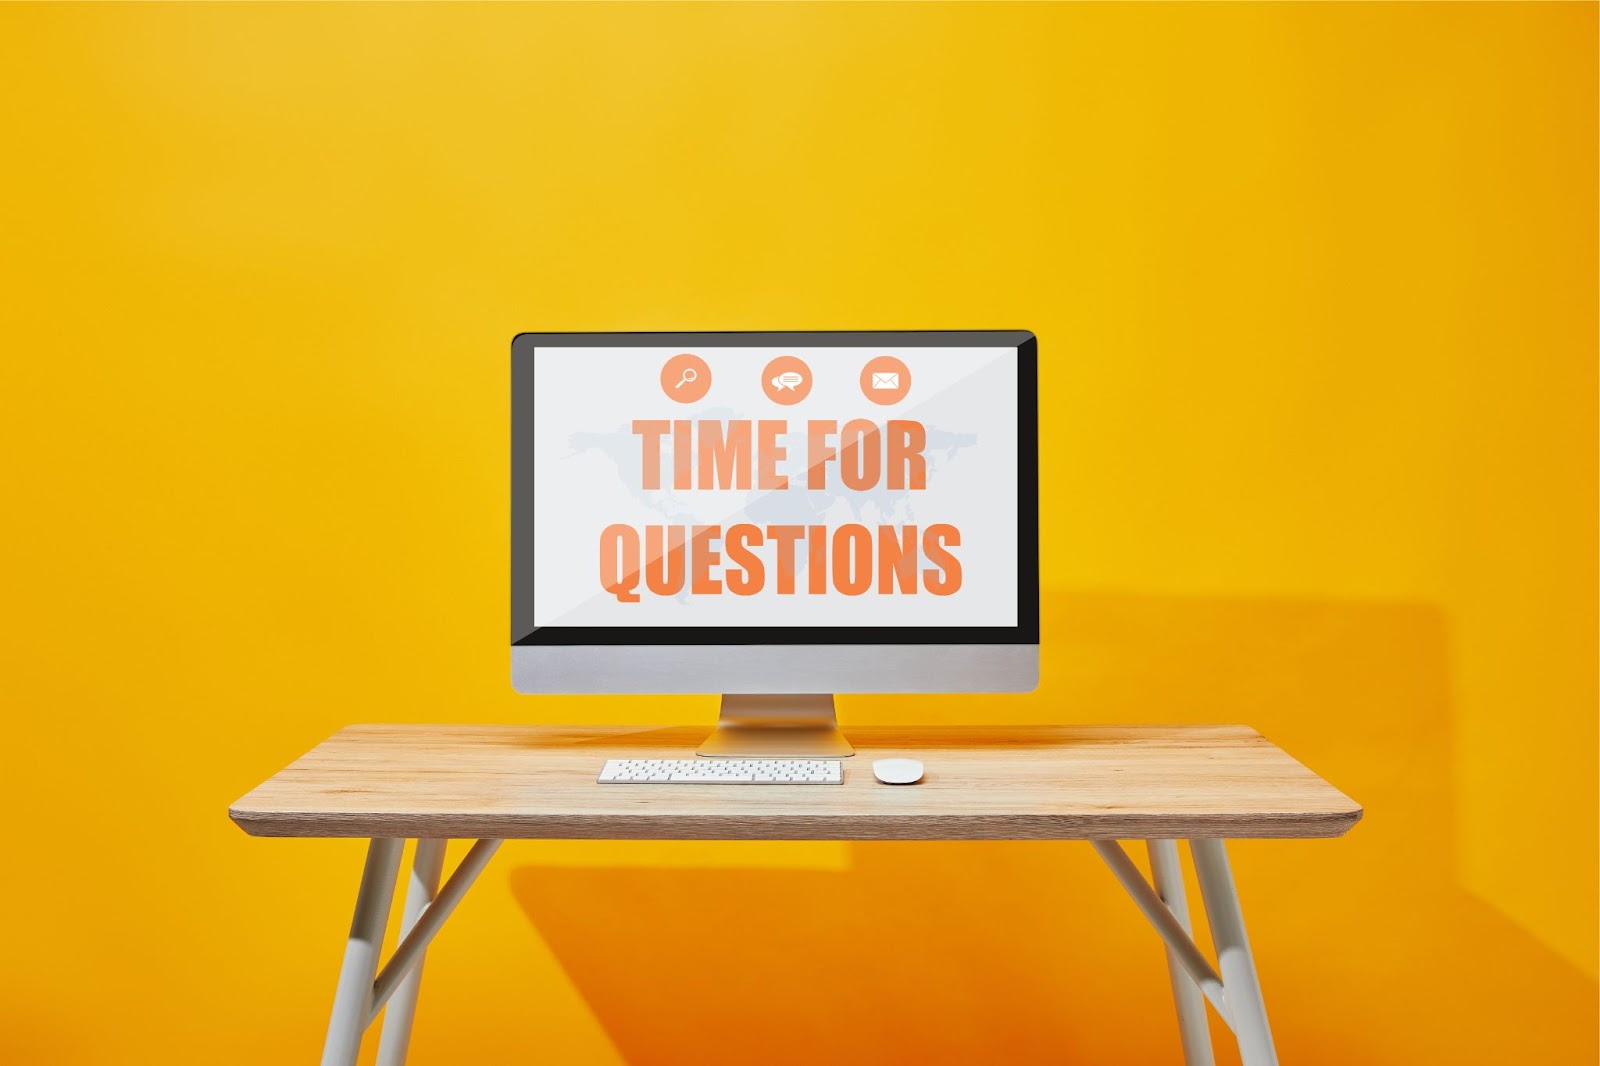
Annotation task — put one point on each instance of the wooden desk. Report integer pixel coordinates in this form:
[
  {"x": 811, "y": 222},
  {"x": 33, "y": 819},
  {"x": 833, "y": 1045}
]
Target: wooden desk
[{"x": 1102, "y": 784}]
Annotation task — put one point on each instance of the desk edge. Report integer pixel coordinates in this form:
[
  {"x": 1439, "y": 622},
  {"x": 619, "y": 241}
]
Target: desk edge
[{"x": 536, "y": 826}]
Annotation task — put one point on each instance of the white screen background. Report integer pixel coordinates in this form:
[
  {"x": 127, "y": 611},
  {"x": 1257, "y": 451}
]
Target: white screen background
[{"x": 587, "y": 475}]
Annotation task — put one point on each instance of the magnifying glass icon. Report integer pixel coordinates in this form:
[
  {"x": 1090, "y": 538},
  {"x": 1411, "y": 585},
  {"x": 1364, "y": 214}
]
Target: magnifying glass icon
[{"x": 689, "y": 375}]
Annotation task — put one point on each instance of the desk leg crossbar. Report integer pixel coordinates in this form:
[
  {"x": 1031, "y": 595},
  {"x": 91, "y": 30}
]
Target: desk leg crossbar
[
  {"x": 363, "y": 989},
  {"x": 1235, "y": 994}
]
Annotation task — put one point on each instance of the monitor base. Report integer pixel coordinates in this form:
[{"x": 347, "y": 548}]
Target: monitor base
[{"x": 799, "y": 726}]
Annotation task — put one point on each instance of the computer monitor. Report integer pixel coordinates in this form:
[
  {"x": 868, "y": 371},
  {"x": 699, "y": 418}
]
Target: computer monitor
[{"x": 775, "y": 517}]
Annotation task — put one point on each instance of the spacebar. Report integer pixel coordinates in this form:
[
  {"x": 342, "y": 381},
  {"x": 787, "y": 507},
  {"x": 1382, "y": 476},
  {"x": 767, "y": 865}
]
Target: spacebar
[{"x": 713, "y": 779}]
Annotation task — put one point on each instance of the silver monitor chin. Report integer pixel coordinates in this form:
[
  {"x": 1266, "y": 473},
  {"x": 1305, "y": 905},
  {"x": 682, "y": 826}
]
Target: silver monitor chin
[{"x": 771, "y": 708}]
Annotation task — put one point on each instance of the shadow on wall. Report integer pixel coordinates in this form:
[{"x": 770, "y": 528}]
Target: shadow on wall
[{"x": 1028, "y": 952}]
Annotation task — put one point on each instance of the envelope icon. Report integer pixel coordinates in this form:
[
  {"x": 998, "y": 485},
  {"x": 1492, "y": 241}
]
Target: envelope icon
[{"x": 886, "y": 381}]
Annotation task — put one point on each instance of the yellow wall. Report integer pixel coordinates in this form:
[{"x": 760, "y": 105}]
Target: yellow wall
[{"x": 1315, "y": 288}]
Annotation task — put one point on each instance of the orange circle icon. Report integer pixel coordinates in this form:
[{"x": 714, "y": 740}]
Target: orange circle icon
[
  {"x": 885, "y": 380},
  {"x": 686, "y": 378},
  {"x": 786, "y": 380}
]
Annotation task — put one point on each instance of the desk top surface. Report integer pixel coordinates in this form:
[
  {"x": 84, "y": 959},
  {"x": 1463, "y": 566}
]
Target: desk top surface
[{"x": 981, "y": 783}]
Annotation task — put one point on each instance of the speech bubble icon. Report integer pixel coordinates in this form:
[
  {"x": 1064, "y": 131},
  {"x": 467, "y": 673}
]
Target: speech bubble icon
[{"x": 786, "y": 380}]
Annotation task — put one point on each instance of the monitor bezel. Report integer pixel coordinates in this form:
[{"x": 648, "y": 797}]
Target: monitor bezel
[{"x": 1026, "y": 631}]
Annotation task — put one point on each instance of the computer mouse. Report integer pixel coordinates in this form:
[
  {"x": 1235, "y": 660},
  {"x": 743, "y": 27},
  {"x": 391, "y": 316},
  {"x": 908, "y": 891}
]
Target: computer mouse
[{"x": 897, "y": 771}]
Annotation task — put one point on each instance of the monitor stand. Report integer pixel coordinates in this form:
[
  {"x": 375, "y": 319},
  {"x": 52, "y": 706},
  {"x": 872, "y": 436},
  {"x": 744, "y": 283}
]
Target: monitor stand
[{"x": 777, "y": 727}]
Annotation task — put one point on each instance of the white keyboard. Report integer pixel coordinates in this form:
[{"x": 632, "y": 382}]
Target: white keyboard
[{"x": 721, "y": 772}]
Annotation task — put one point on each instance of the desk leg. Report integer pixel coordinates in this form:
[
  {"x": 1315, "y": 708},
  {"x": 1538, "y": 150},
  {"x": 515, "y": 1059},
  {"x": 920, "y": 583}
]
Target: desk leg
[
  {"x": 1193, "y": 1031},
  {"x": 1233, "y": 953},
  {"x": 353, "y": 998},
  {"x": 426, "y": 866}
]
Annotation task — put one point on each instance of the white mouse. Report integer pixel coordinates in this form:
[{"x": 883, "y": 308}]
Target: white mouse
[{"x": 897, "y": 771}]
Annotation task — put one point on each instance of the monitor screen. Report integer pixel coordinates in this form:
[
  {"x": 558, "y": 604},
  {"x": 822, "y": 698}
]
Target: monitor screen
[{"x": 785, "y": 488}]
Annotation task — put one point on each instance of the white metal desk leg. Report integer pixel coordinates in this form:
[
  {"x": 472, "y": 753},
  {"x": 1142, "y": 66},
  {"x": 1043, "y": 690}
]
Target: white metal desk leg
[
  {"x": 353, "y": 998},
  {"x": 1194, "y": 1033},
  {"x": 1233, "y": 953},
  {"x": 426, "y": 866}
]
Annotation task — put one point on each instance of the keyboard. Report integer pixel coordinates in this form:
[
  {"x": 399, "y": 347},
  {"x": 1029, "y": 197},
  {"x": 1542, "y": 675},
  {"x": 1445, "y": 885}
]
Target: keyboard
[{"x": 721, "y": 772}]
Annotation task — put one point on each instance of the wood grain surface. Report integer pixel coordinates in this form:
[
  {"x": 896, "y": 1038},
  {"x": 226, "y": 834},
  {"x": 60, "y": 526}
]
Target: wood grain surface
[{"x": 981, "y": 783}]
